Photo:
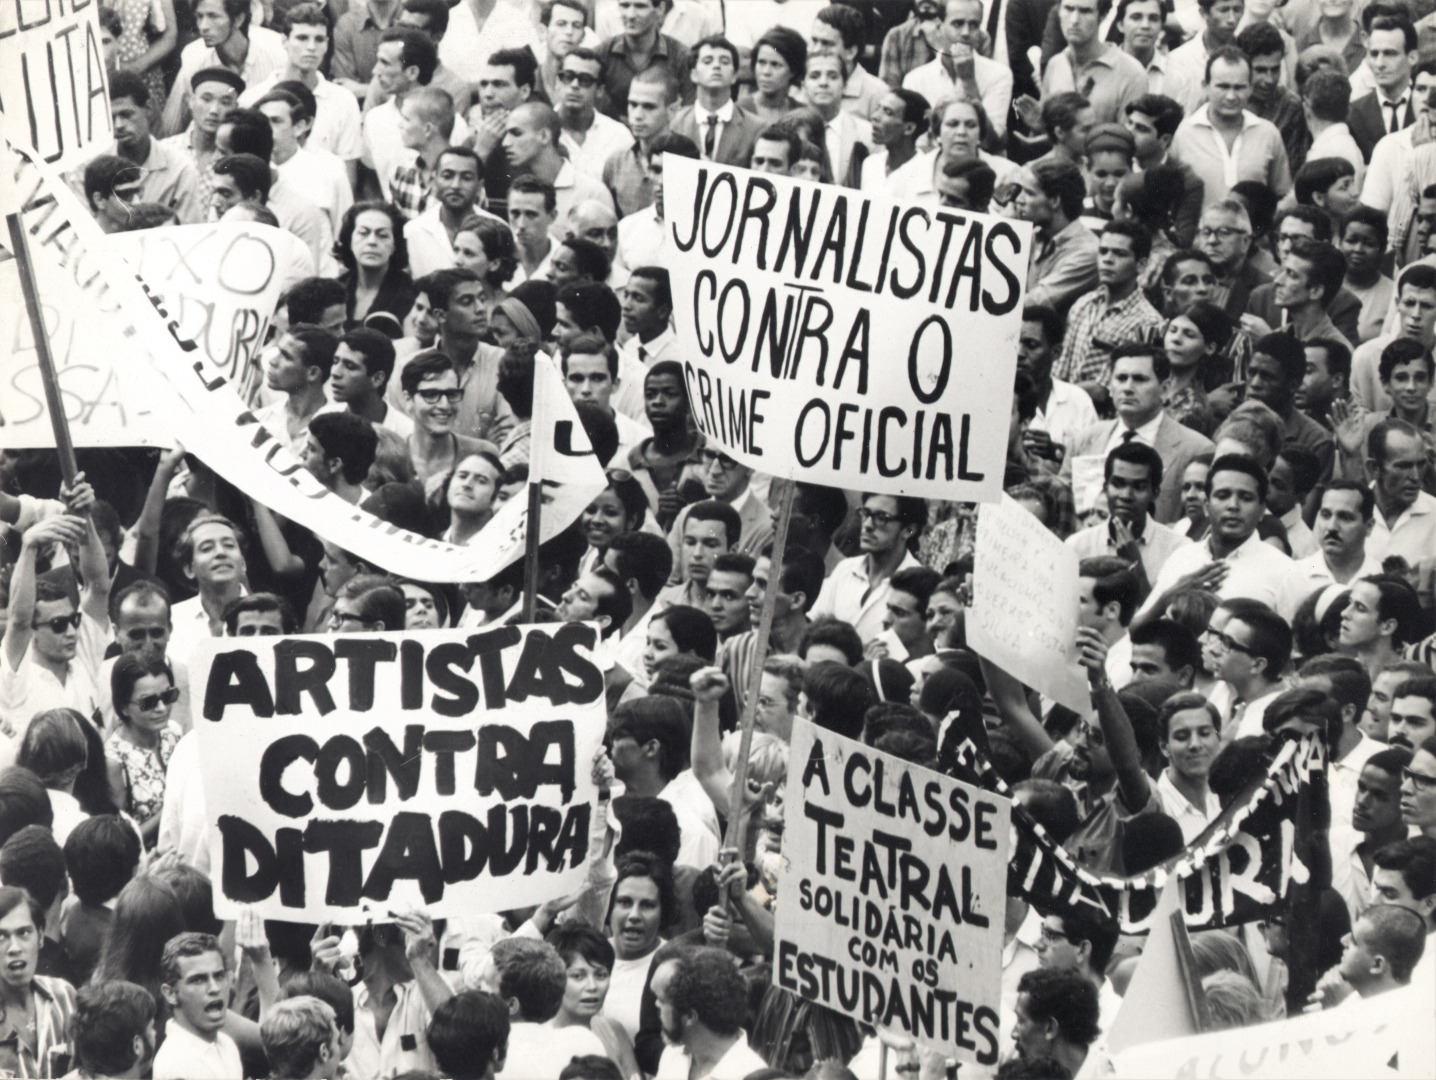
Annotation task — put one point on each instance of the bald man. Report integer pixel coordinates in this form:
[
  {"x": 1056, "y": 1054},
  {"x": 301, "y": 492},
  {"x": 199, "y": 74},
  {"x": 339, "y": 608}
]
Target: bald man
[
  {"x": 531, "y": 139},
  {"x": 595, "y": 222}
]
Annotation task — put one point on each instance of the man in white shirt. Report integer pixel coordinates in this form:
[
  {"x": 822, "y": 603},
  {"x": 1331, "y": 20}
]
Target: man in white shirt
[
  {"x": 1390, "y": 165},
  {"x": 407, "y": 60},
  {"x": 1133, "y": 474},
  {"x": 701, "y": 1005},
  {"x": 849, "y": 138},
  {"x": 212, "y": 558},
  {"x": 213, "y": 93},
  {"x": 363, "y": 365},
  {"x": 335, "y": 125},
  {"x": 589, "y": 137},
  {"x": 195, "y": 985},
  {"x": 1344, "y": 520},
  {"x": 1063, "y": 409},
  {"x": 642, "y": 238},
  {"x": 591, "y": 374},
  {"x": 457, "y": 180},
  {"x": 647, "y": 309},
  {"x": 1083, "y": 943},
  {"x": 648, "y": 745},
  {"x": 480, "y": 28},
  {"x": 1187, "y": 64},
  {"x": 1405, "y": 519},
  {"x": 857, "y": 590},
  {"x": 318, "y": 173},
  {"x": 1252, "y": 650},
  {"x": 227, "y": 38}
]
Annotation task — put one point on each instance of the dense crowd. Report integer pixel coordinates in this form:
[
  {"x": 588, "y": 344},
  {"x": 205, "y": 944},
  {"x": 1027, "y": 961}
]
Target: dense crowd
[{"x": 1222, "y": 405}]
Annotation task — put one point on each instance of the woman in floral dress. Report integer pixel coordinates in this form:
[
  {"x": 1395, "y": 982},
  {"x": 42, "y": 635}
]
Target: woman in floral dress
[{"x": 141, "y": 744}]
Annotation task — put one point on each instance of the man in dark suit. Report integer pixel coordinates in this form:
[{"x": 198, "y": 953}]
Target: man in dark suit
[
  {"x": 1391, "y": 53},
  {"x": 1225, "y": 237},
  {"x": 722, "y": 132},
  {"x": 1138, "y": 371}
]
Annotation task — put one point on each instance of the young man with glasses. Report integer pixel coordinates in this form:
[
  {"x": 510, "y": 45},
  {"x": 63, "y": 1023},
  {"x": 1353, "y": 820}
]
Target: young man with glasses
[
  {"x": 1082, "y": 943},
  {"x": 432, "y": 396},
  {"x": 1252, "y": 650},
  {"x": 589, "y": 137},
  {"x": 1418, "y": 789},
  {"x": 858, "y": 589}
]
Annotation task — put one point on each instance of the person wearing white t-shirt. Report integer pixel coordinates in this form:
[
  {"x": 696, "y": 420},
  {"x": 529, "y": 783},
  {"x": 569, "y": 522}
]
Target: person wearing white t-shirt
[
  {"x": 316, "y": 172},
  {"x": 195, "y": 985}
]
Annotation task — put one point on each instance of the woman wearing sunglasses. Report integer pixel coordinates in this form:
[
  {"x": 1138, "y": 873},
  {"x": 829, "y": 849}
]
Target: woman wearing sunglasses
[{"x": 141, "y": 746}]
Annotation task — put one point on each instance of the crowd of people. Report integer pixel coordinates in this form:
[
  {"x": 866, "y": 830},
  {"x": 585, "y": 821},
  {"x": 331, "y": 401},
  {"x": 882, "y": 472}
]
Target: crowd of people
[{"x": 1222, "y": 405}]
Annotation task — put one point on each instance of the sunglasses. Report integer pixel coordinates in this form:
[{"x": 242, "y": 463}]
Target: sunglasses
[
  {"x": 151, "y": 702},
  {"x": 60, "y": 623},
  {"x": 1229, "y": 643},
  {"x": 578, "y": 78}
]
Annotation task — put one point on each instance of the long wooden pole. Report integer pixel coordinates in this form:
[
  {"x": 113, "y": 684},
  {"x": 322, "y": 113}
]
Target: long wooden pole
[
  {"x": 737, "y": 819},
  {"x": 49, "y": 377},
  {"x": 531, "y": 548}
]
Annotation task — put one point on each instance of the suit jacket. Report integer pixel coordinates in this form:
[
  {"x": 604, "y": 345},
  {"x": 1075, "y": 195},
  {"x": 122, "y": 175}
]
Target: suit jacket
[
  {"x": 1343, "y": 311},
  {"x": 1247, "y": 278},
  {"x": 735, "y": 145},
  {"x": 1367, "y": 122},
  {"x": 1175, "y": 443}
]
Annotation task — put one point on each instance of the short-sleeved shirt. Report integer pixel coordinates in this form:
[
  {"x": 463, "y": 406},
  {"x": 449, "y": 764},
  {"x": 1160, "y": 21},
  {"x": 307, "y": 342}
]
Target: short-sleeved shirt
[
  {"x": 1097, "y": 843},
  {"x": 184, "y": 1056},
  {"x": 405, "y": 1046},
  {"x": 1258, "y": 154},
  {"x": 32, "y": 688},
  {"x": 1110, "y": 81}
]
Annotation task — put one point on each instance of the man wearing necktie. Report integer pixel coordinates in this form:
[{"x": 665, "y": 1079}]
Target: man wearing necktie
[
  {"x": 721, "y": 131},
  {"x": 1391, "y": 53}
]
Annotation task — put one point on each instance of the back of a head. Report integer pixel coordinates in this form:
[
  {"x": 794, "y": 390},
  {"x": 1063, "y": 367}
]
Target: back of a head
[
  {"x": 1150, "y": 840},
  {"x": 839, "y": 696},
  {"x": 707, "y": 985},
  {"x": 108, "y": 1017},
  {"x": 32, "y": 860},
  {"x": 466, "y": 1033},
  {"x": 23, "y": 801},
  {"x": 101, "y": 855},
  {"x": 1052, "y": 805},
  {"x": 659, "y": 719},
  {"x": 295, "y": 1033},
  {"x": 535, "y": 977}
]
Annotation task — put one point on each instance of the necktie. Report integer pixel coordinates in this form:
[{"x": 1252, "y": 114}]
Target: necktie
[
  {"x": 1394, "y": 124},
  {"x": 710, "y": 137},
  {"x": 642, "y": 355},
  {"x": 1128, "y": 435}
]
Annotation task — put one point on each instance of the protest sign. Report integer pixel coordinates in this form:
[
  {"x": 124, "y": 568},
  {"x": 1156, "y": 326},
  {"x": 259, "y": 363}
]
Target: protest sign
[
  {"x": 220, "y": 283},
  {"x": 1024, "y": 604},
  {"x": 840, "y": 338},
  {"x": 53, "y": 97},
  {"x": 893, "y": 889},
  {"x": 208, "y": 417},
  {"x": 349, "y": 776},
  {"x": 1389, "y": 1035}
]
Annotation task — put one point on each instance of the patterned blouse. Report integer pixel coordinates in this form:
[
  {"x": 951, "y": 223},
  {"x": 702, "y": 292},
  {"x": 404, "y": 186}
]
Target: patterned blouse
[{"x": 144, "y": 771}]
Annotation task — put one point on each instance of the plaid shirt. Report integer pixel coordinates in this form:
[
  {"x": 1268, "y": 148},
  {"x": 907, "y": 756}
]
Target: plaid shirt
[
  {"x": 1096, "y": 326},
  {"x": 904, "y": 48},
  {"x": 409, "y": 188}
]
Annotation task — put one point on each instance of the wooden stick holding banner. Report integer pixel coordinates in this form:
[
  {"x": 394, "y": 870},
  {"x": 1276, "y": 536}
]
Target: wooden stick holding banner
[
  {"x": 531, "y": 548},
  {"x": 49, "y": 377},
  {"x": 737, "y": 816}
]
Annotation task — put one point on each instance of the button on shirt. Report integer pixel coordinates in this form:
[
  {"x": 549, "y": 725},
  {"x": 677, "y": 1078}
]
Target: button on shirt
[
  {"x": 842, "y": 596},
  {"x": 1257, "y": 154},
  {"x": 994, "y": 84},
  {"x": 1110, "y": 81},
  {"x": 466, "y": 48},
  {"x": 1096, "y": 325},
  {"x": 1255, "y": 570}
]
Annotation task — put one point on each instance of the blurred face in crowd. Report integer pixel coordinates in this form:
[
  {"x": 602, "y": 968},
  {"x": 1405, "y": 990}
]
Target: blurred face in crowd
[
  {"x": 213, "y": 23},
  {"x": 224, "y": 194},
  {"x": 723, "y": 478},
  {"x": 1117, "y": 263},
  {"x": 1378, "y": 800},
  {"x": 1409, "y": 385},
  {"x": 420, "y": 611},
  {"x": 1398, "y": 474},
  {"x": 142, "y": 627},
  {"x": 470, "y": 254},
  {"x": 907, "y": 618},
  {"x": 1194, "y": 490},
  {"x": 889, "y": 127},
  {"x": 200, "y": 995},
  {"x": 1416, "y": 311},
  {"x": 1192, "y": 742},
  {"x": 1266, "y": 74},
  {"x": 1411, "y": 721},
  {"x": 703, "y": 541},
  {"x": 1222, "y": 19},
  {"x": 259, "y": 623},
  {"x": 335, "y": 568},
  {"x": 1295, "y": 283},
  {"x": 960, "y": 132},
  {"x": 727, "y": 596},
  {"x": 1319, "y": 385},
  {"x": 1418, "y": 791},
  {"x": 672, "y": 1024},
  {"x": 1030, "y": 1036},
  {"x": 639, "y": 17},
  {"x": 594, "y": 222},
  {"x": 636, "y": 913},
  {"x": 389, "y": 68},
  {"x": 1056, "y": 951}
]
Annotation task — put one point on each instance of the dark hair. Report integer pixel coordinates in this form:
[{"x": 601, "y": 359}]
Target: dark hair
[
  {"x": 251, "y": 175},
  {"x": 497, "y": 240},
  {"x": 1415, "y": 859},
  {"x": 644, "y": 557},
  {"x": 146, "y": 915},
  {"x": 1135, "y": 453},
  {"x": 1350, "y": 684},
  {"x": 828, "y": 504},
  {"x": 715, "y": 41},
  {"x": 23, "y": 801},
  {"x": 419, "y": 50},
  {"x": 1066, "y": 996},
  {"x": 250, "y": 133},
  {"x": 343, "y": 243},
  {"x": 1328, "y": 266},
  {"x": 1059, "y": 112},
  {"x": 1061, "y": 181},
  {"x": 575, "y": 939},
  {"x": 522, "y": 60},
  {"x": 1135, "y": 231},
  {"x": 101, "y": 854},
  {"x": 533, "y": 976},
  {"x": 32, "y": 860},
  {"x": 516, "y": 378},
  {"x": 1288, "y": 352},
  {"x": 655, "y": 719},
  {"x": 128, "y": 84},
  {"x": 1271, "y": 637},
  {"x": 376, "y": 599},
  {"x": 1316, "y": 177},
  {"x": 1403, "y": 350},
  {"x": 1399, "y": 602},
  {"x": 1164, "y": 112},
  {"x": 691, "y": 629},
  {"x": 54, "y": 746},
  {"x": 1261, "y": 39},
  {"x": 1113, "y": 581},
  {"x": 529, "y": 184},
  {"x": 981, "y": 180},
  {"x": 713, "y": 510},
  {"x": 260, "y": 603},
  {"x": 1182, "y": 255},
  {"x": 1051, "y": 805},
  {"x": 590, "y": 259},
  {"x": 649, "y": 824},
  {"x": 672, "y": 143},
  {"x": 590, "y": 1066},
  {"x": 1149, "y": 840},
  {"x": 836, "y": 634},
  {"x": 1178, "y": 644},
  {"x": 329, "y": 989},
  {"x": 662, "y": 288},
  {"x": 1183, "y": 702},
  {"x": 307, "y": 300},
  {"x": 466, "y": 1032},
  {"x": 593, "y": 304},
  {"x": 1153, "y": 351},
  {"x": 348, "y": 437},
  {"x": 1242, "y": 463},
  {"x": 645, "y": 864},
  {"x": 802, "y": 571},
  {"x": 839, "y": 697},
  {"x": 708, "y": 985},
  {"x": 1054, "y": 327},
  {"x": 108, "y": 1017}
]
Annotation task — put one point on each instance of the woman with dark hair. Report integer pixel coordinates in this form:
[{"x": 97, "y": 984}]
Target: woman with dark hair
[
  {"x": 143, "y": 692},
  {"x": 779, "y": 59},
  {"x": 466, "y": 498},
  {"x": 486, "y": 246},
  {"x": 147, "y": 914},
  {"x": 1194, "y": 342},
  {"x": 641, "y": 905},
  {"x": 622, "y": 507},
  {"x": 589, "y": 958},
  {"x": 36, "y": 1008},
  {"x": 676, "y": 631},
  {"x": 371, "y": 248},
  {"x": 55, "y": 749}
]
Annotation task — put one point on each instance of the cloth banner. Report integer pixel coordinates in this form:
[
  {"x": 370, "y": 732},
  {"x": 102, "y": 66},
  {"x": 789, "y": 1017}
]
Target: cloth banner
[
  {"x": 53, "y": 95},
  {"x": 1235, "y": 872},
  {"x": 894, "y": 894},
  {"x": 840, "y": 338},
  {"x": 203, "y": 411},
  {"x": 220, "y": 283},
  {"x": 349, "y": 776}
]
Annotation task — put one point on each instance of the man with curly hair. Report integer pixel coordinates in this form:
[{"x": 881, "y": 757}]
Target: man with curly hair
[
  {"x": 702, "y": 1002},
  {"x": 1056, "y": 1017}
]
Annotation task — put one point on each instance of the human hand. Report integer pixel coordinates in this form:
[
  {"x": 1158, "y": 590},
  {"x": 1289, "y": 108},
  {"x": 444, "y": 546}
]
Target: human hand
[
  {"x": 249, "y": 934},
  {"x": 1255, "y": 325},
  {"x": 61, "y": 529},
  {"x": 876, "y": 649},
  {"x": 324, "y": 950},
  {"x": 78, "y": 497},
  {"x": 602, "y": 773},
  {"x": 1209, "y": 577},
  {"x": 1348, "y": 421},
  {"x": 1125, "y": 542},
  {"x": 1091, "y": 651},
  {"x": 172, "y": 459},
  {"x": 1038, "y": 443},
  {"x": 709, "y": 684},
  {"x": 717, "y": 926},
  {"x": 1029, "y": 111},
  {"x": 419, "y": 940}
]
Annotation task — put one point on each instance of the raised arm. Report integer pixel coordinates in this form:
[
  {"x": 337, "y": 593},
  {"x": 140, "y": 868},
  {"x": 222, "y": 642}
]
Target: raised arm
[
  {"x": 94, "y": 567},
  {"x": 1011, "y": 701},
  {"x": 147, "y": 529},
  {"x": 709, "y": 685},
  {"x": 64, "y": 529},
  {"x": 420, "y": 945},
  {"x": 1116, "y": 726}
]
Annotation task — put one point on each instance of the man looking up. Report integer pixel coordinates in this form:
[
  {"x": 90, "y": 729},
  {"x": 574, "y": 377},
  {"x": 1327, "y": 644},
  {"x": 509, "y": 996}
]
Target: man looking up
[
  {"x": 1277, "y": 368},
  {"x": 1344, "y": 519},
  {"x": 1306, "y": 282},
  {"x": 1381, "y": 951},
  {"x": 589, "y": 137},
  {"x": 640, "y": 48},
  {"x": 169, "y": 174},
  {"x": 1133, "y": 476},
  {"x": 298, "y": 368},
  {"x": 363, "y": 364},
  {"x": 858, "y": 588},
  {"x": 337, "y": 126},
  {"x": 213, "y": 92},
  {"x": 722, "y": 132},
  {"x": 1138, "y": 372},
  {"x": 1114, "y": 313}
]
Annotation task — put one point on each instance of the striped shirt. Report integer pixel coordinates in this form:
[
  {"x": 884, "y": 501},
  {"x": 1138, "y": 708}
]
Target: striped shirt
[
  {"x": 54, "y": 1006},
  {"x": 1096, "y": 326}
]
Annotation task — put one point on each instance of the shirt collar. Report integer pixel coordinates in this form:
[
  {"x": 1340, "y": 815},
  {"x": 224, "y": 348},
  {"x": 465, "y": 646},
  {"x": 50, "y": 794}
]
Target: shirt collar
[
  {"x": 725, "y": 114},
  {"x": 1201, "y": 119},
  {"x": 1147, "y": 433}
]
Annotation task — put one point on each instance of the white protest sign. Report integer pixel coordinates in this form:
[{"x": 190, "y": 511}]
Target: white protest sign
[
  {"x": 220, "y": 283},
  {"x": 840, "y": 338},
  {"x": 203, "y": 411},
  {"x": 346, "y": 777},
  {"x": 53, "y": 98},
  {"x": 1024, "y": 603},
  {"x": 894, "y": 888}
]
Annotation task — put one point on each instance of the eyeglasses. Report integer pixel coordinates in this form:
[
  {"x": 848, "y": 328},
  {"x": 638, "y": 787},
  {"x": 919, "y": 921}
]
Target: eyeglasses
[
  {"x": 1420, "y": 780},
  {"x": 251, "y": 630},
  {"x": 1220, "y": 232},
  {"x": 578, "y": 78},
  {"x": 880, "y": 518},
  {"x": 339, "y": 618},
  {"x": 151, "y": 702},
  {"x": 1229, "y": 643},
  {"x": 723, "y": 461},
  {"x": 1052, "y": 936},
  {"x": 60, "y": 623},
  {"x": 433, "y": 397}
]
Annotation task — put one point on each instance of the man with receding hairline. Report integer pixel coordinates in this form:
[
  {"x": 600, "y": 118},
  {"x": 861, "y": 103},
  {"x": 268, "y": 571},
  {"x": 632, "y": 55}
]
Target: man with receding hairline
[{"x": 531, "y": 141}]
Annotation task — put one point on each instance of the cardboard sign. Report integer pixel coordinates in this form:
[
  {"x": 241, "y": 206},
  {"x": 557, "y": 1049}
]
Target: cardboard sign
[
  {"x": 348, "y": 776},
  {"x": 53, "y": 97},
  {"x": 1024, "y": 604},
  {"x": 205, "y": 413},
  {"x": 220, "y": 284},
  {"x": 844, "y": 339},
  {"x": 894, "y": 893}
]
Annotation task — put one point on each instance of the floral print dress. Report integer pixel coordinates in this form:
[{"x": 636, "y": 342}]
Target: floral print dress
[{"x": 144, "y": 771}]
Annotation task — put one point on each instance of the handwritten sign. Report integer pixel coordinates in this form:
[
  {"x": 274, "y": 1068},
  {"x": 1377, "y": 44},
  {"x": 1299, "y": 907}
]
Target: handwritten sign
[
  {"x": 53, "y": 97},
  {"x": 349, "y": 776},
  {"x": 836, "y": 337},
  {"x": 1024, "y": 603},
  {"x": 894, "y": 893}
]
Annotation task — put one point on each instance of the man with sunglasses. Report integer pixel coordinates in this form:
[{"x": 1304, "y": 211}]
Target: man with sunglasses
[
  {"x": 589, "y": 137},
  {"x": 1251, "y": 652},
  {"x": 143, "y": 628},
  {"x": 51, "y": 653}
]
